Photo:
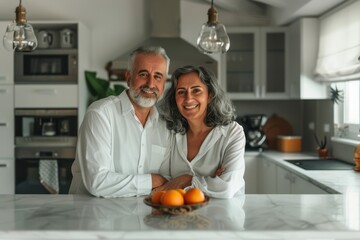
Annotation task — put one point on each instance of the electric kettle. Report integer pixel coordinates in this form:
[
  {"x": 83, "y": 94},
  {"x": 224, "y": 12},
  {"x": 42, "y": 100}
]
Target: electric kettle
[
  {"x": 45, "y": 39},
  {"x": 67, "y": 38}
]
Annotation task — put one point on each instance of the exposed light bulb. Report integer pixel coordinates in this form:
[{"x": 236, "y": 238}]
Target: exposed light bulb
[
  {"x": 213, "y": 37},
  {"x": 19, "y": 35}
]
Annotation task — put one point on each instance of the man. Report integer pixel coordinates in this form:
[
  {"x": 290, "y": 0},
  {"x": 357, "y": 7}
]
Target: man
[{"x": 122, "y": 141}]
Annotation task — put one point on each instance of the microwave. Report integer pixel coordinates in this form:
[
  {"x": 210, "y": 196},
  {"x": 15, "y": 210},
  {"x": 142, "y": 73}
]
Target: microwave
[{"x": 50, "y": 66}]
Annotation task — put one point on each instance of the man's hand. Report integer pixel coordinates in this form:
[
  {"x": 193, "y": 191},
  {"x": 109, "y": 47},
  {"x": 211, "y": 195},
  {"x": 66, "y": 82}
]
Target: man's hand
[
  {"x": 157, "y": 180},
  {"x": 175, "y": 183}
]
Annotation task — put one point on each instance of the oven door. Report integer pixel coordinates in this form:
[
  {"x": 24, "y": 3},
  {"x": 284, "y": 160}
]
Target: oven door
[
  {"x": 50, "y": 66},
  {"x": 27, "y": 161}
]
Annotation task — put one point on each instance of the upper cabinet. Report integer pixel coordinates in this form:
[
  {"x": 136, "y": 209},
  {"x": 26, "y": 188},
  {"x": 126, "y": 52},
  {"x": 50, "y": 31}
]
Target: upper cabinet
[
  {"x": 6, "y": 60},
  {"x": 303, "y": 50},
  {"x": 256, "y": 63}
]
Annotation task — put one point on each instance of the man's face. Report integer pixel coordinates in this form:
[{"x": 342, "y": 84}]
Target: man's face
[{"x": 147, "y": 80}]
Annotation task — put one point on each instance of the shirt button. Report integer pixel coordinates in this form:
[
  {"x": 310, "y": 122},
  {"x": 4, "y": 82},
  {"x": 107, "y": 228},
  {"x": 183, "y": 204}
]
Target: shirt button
[{"x": 140, "y": 166}]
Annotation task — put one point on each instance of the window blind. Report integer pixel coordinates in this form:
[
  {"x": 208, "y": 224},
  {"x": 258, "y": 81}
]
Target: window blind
[{"x": 339, "y": 45}]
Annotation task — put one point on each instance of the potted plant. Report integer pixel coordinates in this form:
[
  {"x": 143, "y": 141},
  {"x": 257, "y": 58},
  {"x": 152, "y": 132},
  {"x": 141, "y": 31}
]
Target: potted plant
[
  {"x": 100, "y": 88},
  {"x": 321, "y": 149}
]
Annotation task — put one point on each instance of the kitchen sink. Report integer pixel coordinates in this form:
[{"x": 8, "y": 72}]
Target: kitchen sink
[{"x": 322, "y": 164}]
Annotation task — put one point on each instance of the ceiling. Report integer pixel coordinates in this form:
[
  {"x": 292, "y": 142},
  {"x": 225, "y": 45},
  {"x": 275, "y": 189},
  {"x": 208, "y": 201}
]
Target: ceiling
[{"x": 281, "y": 11}]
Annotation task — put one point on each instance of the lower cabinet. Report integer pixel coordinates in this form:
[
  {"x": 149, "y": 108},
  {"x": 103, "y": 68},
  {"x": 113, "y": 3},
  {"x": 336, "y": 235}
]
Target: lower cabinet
[
  {"x": 274, "y": 179},
  {"x": 267, "y": 176},
  {"x": 7, "y": 176},
  {"x": 288, "y": 182},
  {"x": 251, "y": 174}
]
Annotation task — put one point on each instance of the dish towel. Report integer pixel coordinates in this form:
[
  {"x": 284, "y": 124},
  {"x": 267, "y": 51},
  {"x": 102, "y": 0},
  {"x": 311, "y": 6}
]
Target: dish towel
[{"x": 48, "y": 171}]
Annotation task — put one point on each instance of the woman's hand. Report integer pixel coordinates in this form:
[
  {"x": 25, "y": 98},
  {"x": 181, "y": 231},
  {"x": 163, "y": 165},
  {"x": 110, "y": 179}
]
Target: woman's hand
[{"x": 219, "y": 171}]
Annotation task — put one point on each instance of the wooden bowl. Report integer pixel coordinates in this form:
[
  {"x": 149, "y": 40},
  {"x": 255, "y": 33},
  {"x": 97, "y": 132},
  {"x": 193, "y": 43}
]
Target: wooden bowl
[{"x": 175, "y": 210}]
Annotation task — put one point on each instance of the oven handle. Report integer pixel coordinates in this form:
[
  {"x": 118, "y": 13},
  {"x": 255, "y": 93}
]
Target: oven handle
[{"x": 46, "y": 154}]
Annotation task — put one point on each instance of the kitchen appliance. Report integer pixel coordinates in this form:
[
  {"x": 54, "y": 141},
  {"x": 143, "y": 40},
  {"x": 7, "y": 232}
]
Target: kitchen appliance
[
  {"x": 322, "y": 164},
  {"x": 67, "y": 38},
  {"x": 252, "y": 124},
  {"x": 44, "y": 135},
  {"x": 45, "y": 39},
  {"x": 165, "y": 31},
  {"x": 50, "y": 66}
]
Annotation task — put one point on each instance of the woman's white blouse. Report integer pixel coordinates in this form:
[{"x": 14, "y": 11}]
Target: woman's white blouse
[{"x": 223, "y": 147}]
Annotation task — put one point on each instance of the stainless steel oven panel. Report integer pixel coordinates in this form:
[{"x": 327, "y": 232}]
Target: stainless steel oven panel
[
  {"x": 46, "y": 112},
  {"x": 50, "y": 66},
  {"x": 45, "y": 153},
  {"x": 45, "y": 141}
]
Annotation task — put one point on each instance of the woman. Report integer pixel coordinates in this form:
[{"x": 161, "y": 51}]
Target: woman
[{"x": 207, "y": 148}]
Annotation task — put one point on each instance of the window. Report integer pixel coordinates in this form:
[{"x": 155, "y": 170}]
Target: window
[{"x": 347, "y": 111}]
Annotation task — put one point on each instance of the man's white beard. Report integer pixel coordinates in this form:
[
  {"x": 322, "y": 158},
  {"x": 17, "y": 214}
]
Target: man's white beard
[{"x": 140, "y": 100}]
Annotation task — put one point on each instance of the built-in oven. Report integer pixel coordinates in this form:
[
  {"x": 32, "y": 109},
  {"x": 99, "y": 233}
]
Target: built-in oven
[
  {"x": 50, "y": 66},
  {"x": 45, "y": 145}
]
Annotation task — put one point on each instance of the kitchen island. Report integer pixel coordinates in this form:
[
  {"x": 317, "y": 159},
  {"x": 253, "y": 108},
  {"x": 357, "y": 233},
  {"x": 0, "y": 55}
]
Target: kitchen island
[{"x": 332, "y": 216}]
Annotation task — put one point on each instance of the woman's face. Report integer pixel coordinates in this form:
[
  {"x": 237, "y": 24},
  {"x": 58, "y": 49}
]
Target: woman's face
[{"x": 192, "y": 97}]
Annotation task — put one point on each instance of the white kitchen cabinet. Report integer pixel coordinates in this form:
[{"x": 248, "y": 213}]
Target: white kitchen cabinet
[
  {"x": 251, "y": 174},
  {"x": 267, "y": 176},
  {"x": 6, "y": 121},
  {"x": 303, "y": 38},
  {"x": 256, "y": 63},
  {"x": 7, "y": 176},
  {"x": 6, "y": 60},
  {"x": 290, "y": 183},
  {"x": 46, "y": 96}
]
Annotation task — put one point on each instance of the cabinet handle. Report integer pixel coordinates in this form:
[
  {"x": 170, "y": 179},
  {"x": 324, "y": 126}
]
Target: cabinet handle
[
  {"x": 3, "y": 165},
  {"x": 45, "y": 91},
  {"x": 257, "y": 91},
  {"x": 3, "y": 90},
  {"x": 2, "y": 78},
  {"x": 3, "y": 124}
]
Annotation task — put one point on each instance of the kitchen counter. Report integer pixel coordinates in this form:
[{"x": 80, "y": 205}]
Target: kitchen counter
[
  {"x": 331, "y": 216},
  {"x": 332, "y": 181}
]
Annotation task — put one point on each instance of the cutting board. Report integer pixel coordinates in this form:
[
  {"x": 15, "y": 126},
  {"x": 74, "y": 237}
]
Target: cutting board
[{"x": 275, "y": 126}]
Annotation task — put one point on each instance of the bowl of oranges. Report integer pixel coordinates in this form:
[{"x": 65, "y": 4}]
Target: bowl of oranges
[{"x": 177, "y": 201}]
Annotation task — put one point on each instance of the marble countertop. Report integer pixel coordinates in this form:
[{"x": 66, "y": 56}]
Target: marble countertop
[
  {"x": 332, "y": 181},
  {"x": 329, "y": 216}
]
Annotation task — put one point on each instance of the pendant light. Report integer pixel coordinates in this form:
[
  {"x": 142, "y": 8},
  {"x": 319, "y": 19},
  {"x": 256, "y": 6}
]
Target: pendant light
[
  {"x": 213, "y": 37},
  {"x": 19, "y": 35}
]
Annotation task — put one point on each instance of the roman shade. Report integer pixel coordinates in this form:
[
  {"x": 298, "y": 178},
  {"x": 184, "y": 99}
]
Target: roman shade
[{"x": 339, "y": 45}]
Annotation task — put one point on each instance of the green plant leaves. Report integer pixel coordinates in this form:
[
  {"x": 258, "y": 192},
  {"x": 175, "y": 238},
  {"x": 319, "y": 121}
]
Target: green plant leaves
[{"x": 100, "y": 88}]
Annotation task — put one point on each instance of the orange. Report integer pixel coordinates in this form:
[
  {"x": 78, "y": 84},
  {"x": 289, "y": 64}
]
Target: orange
[
  {"x": 172, "y": 198},
  {"x": 194, "y": 195},
  {"x": 182, "y": 191},
  {"x": 155, "y": 198}
]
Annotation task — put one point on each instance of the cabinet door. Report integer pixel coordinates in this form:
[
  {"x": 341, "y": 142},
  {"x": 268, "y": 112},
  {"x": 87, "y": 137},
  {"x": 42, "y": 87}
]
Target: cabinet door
[
  {"x": 273, "y": 63},
  {"x": 283, "y": 180},
  {"x": 251, "y": 174},
  {"x": 301, "y": 186},
  {"x": 242, "y": 63},
  {"x": 6, "y": 60},
  {"x": 7, "y": 176},
  {"x": 267, "y": 184},
  {"x": 46, "y": 96},
  {"x": 6, "y": 121}
]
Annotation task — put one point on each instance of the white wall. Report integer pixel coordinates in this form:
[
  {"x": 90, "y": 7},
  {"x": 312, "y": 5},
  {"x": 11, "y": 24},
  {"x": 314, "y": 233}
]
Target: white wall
[
  {"x": 115, "y": 25},
  {"x": 119, "y": 25}
]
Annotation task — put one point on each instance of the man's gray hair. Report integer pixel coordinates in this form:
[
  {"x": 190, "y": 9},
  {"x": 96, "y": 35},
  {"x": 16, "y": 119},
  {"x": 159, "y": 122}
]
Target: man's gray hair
[{"x": 151, "y": 50}]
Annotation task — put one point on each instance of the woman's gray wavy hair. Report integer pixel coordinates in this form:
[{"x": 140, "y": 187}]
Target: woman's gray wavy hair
[{"x": 220, "y": 109}]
